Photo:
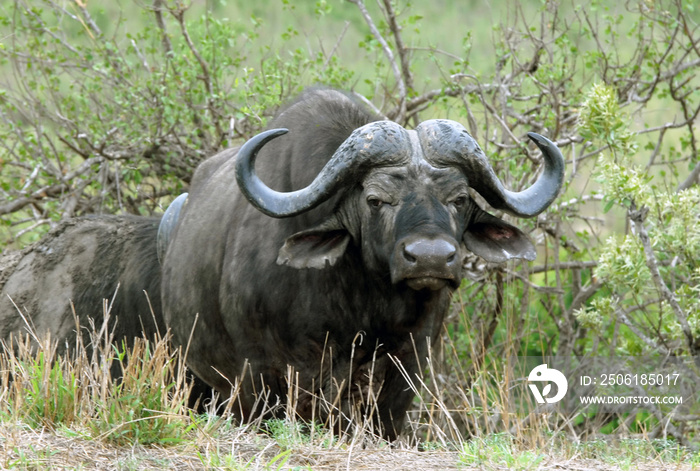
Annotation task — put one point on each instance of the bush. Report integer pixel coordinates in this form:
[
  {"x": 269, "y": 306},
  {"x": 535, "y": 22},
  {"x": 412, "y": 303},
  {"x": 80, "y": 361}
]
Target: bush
[{"x": 98, "y": 118}]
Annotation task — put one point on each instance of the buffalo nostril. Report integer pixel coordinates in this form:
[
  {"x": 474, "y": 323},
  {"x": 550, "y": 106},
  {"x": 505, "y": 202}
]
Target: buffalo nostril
[
  {"x": 408, "y": 256},
  {"x": 451, "y": 258}
]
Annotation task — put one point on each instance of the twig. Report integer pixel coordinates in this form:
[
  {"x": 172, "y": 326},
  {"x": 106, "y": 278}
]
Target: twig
[
  {"x": 30, "y": 228},
  {"x": 88, "y": 19},
  {"x": 563, "y": 266},
  {"x": 690, "y": 180},
  {"x": 44, "y": 192},
  {"x": 637, "y": 217},
  {"x": 389, "y": 55},
  {"x": 435, "y": 50},
  {"x": 370, "y": 104},
  {"x": 403, "y": 56},
  {"x": 48, "y": 190},
  {"x": 431, "y": 95},
  {"x": 48, "y": 31},
  {"x": 179, "y": 14},
  {"x": 527, "y": 282},
  {"x": 144, "y": 61},
  {"x": 575, "y": 201},
  {"x": 336, "y": 45},
  {"x": 655, "y": 153},
  {"x": 165, "y": 39},
  {"x": 622, "y": 317}
]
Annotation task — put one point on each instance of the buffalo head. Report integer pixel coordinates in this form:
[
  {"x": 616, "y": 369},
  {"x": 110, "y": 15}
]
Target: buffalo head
[{"x": 406, "y": 202}]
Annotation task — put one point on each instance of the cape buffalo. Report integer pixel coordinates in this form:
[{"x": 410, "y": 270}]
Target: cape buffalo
[
  {"x": 69, "y": 273},
  {"x": 345, "y": 269},
  {"x": 81, "y": 262}
]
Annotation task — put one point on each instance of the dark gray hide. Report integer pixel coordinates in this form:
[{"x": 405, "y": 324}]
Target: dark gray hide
[
  {"x": 83, "y": 260},
  {"x": 359, "y": 271}
]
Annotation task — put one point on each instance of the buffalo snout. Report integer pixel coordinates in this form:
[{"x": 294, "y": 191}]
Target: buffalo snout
[{"x": 426, "y": 262}]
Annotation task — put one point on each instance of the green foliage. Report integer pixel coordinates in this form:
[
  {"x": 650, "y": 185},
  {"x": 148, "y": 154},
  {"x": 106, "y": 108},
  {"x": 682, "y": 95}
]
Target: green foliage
[
  {"x": 622, "y": 184},
  {"x": 622, "y": 263},
  {"x": 120, "y": 119},
  {"x": 98, "y": 115},
  {"x": 290, "y": 434},
  {"x": 624, "y": 266},
  {"x": 51, "y": 392},
  {"x": 626, "y": 453},
  {"x": 287, "y": 434},
  {"x": 144, "y": 405},
  {"x": 230, "y": 462},
  {"x": 498, "y": 451}
]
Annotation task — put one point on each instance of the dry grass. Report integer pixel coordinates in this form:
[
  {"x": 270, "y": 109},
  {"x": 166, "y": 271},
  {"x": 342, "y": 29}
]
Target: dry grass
[
  {"x": 68, "y": 411},
  {"x": 23, "y": 447},
  {"x": 38, "y": 448}
]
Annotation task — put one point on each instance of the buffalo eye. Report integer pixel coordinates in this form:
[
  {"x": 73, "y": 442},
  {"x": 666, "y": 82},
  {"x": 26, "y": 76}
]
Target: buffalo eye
[
  {"x": 374, "y": 202},
  {"x": 459, "y": 202}
]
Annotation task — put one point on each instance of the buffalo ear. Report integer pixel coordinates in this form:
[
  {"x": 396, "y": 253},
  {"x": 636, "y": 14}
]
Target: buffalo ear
[
  {"x": 495, "y": 240},
  {"x": 318, "y": 247}
]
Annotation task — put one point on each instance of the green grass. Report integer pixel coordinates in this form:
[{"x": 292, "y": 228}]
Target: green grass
[
  {"x": 460, "y": 415},
  {"x": 76, "y": 390},
  {"x": 499, "y": 450},
  {"x": 51, "y": 404}
]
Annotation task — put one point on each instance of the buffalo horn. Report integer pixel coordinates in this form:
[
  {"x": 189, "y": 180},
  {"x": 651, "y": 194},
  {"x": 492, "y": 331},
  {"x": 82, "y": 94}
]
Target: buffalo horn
[
  {"x": 381, "y": 143},
  {"x": 447, "y": 143}
]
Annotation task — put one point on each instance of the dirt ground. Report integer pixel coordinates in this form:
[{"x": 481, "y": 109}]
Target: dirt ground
[{"x": 25, "y": 448}]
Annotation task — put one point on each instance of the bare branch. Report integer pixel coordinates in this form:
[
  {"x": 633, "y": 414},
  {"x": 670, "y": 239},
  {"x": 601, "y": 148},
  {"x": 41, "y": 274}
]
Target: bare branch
[
  {"x": 48, "y": 31},
  {"x": 41, "y": 193},
  {"x": 690, "y": 180},
  {"x": 165, "y": 39},
  {"x": 563, "y": 266},
  {"x": 179, "y": 14},
  {"x": 88, "y": 19},
  {"x": 401, "y": 49},
  {"x": 337, "y": 44},
  {"x": 390, "y": 57},
  {"x": 637, "y": 217}
]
